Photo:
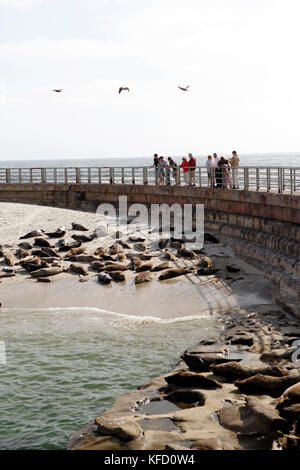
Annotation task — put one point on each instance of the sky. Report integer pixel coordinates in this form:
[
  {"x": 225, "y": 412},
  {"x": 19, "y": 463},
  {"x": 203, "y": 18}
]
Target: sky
[{"x": 239, "y": 57}]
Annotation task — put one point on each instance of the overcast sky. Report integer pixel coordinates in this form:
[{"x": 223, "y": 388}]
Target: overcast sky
[{"x": 240, "y": 58}]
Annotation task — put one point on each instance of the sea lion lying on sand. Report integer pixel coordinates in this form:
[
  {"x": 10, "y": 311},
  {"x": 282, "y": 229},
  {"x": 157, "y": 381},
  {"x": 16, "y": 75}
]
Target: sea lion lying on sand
[
  {"x": 97, "y": 265},
  {"x": 289, "y": 396},
  {"x": 9, "y": 259},
  {"x": 104, "y": 278},
  {"x": 45, "y": 272},
  {"x": 137, "y": 238},
  {"x": 191, "y": 379},
  {"x": 267, "y": 385},
  {"x": 116, "y": 267},
  {"x": 234, "y": 370},
  {"x": 58, "y": 234},
  {"x": 163, "y": 243},
  {"x": 145, "y": 276},
  {"x": 161, "y": 266},
  {"x": 69, "y": 246},
  {"x": 42, "y": 242},
  {"x": 2, "y": 275},
  {"x": 79, "y": 227},
  {"x": 107, "y": 257},
  {"x": 176, "y": 245},
  {"x": 146, "y": 256},
  {"x": 184, "y": 253},
  {"x": 25, "y": 245},
  {"x": 136, "y": 262},
  {"x": 21, "y": 253},
  {"x": 100, "y": 251},
  {"x": 205, "y": 262},
  {"x": 169, "y": 255},
  {"x": 75, "y": 251},
  {"x": 116, "y": 248},
  {"x": 174, "y": 272},
  {"x": 34, "y": 233},
  {"x": 79, "y": 269},
  {"x": 140, "y": 247},
  {"x": 124, "y": 244},
  {"x": 145, "y": 267},
  {"x": 83, "y": 258},
  {"x": 84, "y": 238},
  {"x": 121, "y": 257},
  {"x": 117, "y": 276}
]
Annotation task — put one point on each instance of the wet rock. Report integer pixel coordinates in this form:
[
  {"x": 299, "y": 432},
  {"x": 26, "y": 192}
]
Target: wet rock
[
  {"x": 242, "y": 339},
  {"x": 278, "y": 354},
  {"x": 210, "y": 443},
  {"x": 208, "y": 346},
  {"x": 163, "y": 243},
  {"x": 208, "y": 237},
  {"x": 232, "y": 268},
  {"x": 258, "y": 416},
  {"x": 191, "y": 379},
  {"x": 187, "y": 397}
]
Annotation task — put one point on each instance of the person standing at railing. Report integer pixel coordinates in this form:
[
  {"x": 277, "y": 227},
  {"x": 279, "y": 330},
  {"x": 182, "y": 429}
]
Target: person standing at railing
[
  {"x": 162, "y": 164},
  {"x": 173, "y": 165},
  {"x": 216, "y": 160},
  {"x": 185, "y": 168},
  {"x": 155, "y": 165},
  {"x": 210, "y": 167},
  {"x": 235, "y": 163},
  {"x": 192, "y": 168},
  {"x": 224, "y": 165}
]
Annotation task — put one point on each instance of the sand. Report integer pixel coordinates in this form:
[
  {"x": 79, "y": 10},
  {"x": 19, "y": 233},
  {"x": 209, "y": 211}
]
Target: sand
[{"x": 185, "y": 297}]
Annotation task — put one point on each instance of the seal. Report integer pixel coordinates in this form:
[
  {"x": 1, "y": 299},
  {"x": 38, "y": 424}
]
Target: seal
[
  {"x": 104, "y": 278},
  {"x": 234, "y": 370},
  {"x": 2, "y": 275},
  {"x": 97, "y": 265},
  {"x": 34, "y": 233},
  {"x": 232, "y": 269},
  {"x": 146, "y": 256},
  {"x": 116, "y": 267},
  {"x": 176, "y": 245},
  {"x": 25, "y": 246},
  {"x": 140, "y": 247},
  {"x": 173, "y": 272},
  {"x": 169, "y": 255},
  {"x": 121, "y": 257},
  {"x": 136, "y": 262},
  {"x": 107, "y": 257},
  {"x": 45, "y": 272},
  {"x": 289, "y": 397},
  {"x": 203, "y": 361},
  {"x": 191, "y": 379},
  {"x": 137, "y": 238},
  {"x": 58, "y": 234},
  {"x": 267, "y": 385},
  {"x": 83, "y": 258},
  {"x": 42, "y": 242},
  {"x": 117, "y": 276},
  {"x": 43, "y": 279},
  {"x": 205, "y": 262},
  {"x": 125, "y": 245},
  {"x": 79, "y": 227},
  {"x": 79, "y": 269},
  {"x": 161, "y": 266},
  {"x": 74, "y": 252},
  {"x": 99, "y": 251},
  {"x": 145, "y": 267},
  {"x": 116, "y": 248},
  {"x": 184, "y": 253},
  {"x": 69, "y": 246},
  {"x": 21, "y": 253},
  {"x": 9, "y": 259},
  {"x": 84, "y": 238},
  {"x": 145, "y": 276},
  {"x": 163, "y": 243}
]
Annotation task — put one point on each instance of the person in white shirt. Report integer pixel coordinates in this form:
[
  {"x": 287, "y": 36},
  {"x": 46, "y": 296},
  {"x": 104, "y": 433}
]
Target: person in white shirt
[
  {"x": 216, "y": 160},
  {"x": 209, "y": 167}
]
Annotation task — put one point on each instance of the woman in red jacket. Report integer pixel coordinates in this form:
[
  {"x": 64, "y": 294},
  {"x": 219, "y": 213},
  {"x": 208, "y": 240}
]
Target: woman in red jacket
[{"x": 185, "y": 167}]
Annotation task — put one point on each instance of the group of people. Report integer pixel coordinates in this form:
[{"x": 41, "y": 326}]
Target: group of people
[{"x": 218, "y": 170}]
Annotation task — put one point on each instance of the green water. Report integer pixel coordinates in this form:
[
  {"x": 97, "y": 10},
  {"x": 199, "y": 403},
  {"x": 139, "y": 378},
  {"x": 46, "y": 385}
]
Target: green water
[{"x": 63, "y": 367}]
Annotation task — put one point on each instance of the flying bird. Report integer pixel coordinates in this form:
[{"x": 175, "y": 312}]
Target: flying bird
[
  {"x": 58, "y": 90},
  {"x": 184, "y": 88},
  {"x": 123, "y": 88}
]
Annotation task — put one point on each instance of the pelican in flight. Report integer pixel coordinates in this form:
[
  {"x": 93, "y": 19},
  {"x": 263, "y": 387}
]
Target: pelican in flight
[
  {"x": 59, "y": 90},
  {"x": 184, "y": 88},
  {"x": 123, "y": 88}
]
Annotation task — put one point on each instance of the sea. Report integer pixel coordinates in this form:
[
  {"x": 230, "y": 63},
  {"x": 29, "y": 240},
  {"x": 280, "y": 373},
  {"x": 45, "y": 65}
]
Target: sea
[{"x": 60, "y": 368}]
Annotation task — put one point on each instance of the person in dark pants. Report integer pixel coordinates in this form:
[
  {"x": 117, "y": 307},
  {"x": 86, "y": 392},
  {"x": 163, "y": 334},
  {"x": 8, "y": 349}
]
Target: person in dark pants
[{"x": 219, "y": 173}]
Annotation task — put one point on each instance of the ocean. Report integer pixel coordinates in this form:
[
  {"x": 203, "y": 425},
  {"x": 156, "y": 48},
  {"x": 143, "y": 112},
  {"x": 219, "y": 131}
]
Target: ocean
[{"x": 263, "y": 159}]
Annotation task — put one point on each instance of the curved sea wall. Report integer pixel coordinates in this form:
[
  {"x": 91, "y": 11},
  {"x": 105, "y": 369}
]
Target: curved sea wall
[{"x": 263, "y": 228}]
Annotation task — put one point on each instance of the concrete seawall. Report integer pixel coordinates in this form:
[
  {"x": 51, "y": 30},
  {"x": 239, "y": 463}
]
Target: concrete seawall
[{"x": 263, "y": 228}]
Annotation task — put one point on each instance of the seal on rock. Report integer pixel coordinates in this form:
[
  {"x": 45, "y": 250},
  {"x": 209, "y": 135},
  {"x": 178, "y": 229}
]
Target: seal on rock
[
  {"x": 191, "y": 379},
  {"x": 203, "y": 361},
  {"x": 173, "y": 272},
  {"x": 184, "y": 253},
  {"x": 207, "y": 271},
  {"x": 267, "y": 385},
  {"x": 290, "y": 396},
  {"x": 234, "y": 370},
  {"x": 99, "y": 251}
]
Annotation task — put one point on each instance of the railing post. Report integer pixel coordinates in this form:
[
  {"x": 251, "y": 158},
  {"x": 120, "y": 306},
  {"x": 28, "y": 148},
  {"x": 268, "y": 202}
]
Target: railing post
[
  {"x": 89, "y": 175},
  {"x": 200, "y": 176},
  {"x": 55, "y": 175},
  {"x": 133, "y": 179},
  {"x": 66, "y": 175},
  {"x": 31, "y": 180},
  {"x": 122, "y": 175},
  {"x": 257, "y": 179},
  {"x": 77, "y": 172},
  {"x": 20, "y": 175},
  {"x": 246, "y": 179},
  {"x": 8, "y": 175},
  {"x": 268, "y": 180},
  {"x": 111, "y": 175},
  {"x": 43, "y": 175},
  {"x": 280, "y": 185},
  {"x": 99, "y": 175},
  {"x": 145, "y": 175}
]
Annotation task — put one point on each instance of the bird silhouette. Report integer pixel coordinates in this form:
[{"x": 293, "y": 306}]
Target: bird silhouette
[
  {"x": 123, "y": 88},
  {"x": 58, "y": 90},
  {"x": 184, "y": 88}
]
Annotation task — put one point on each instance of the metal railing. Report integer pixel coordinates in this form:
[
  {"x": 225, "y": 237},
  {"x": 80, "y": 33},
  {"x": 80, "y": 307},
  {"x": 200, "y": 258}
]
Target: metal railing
[{"x": 279, "y": 179}]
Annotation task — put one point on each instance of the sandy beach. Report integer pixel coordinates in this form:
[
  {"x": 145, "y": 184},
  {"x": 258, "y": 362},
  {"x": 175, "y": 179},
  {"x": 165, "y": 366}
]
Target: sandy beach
[{"x": 183, "y": 297}]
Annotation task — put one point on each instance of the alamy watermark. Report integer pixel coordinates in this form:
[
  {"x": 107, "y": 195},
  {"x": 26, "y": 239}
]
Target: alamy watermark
[
  {"x": 296, "y": 354},
  {"x": 179, "y": 221}
]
